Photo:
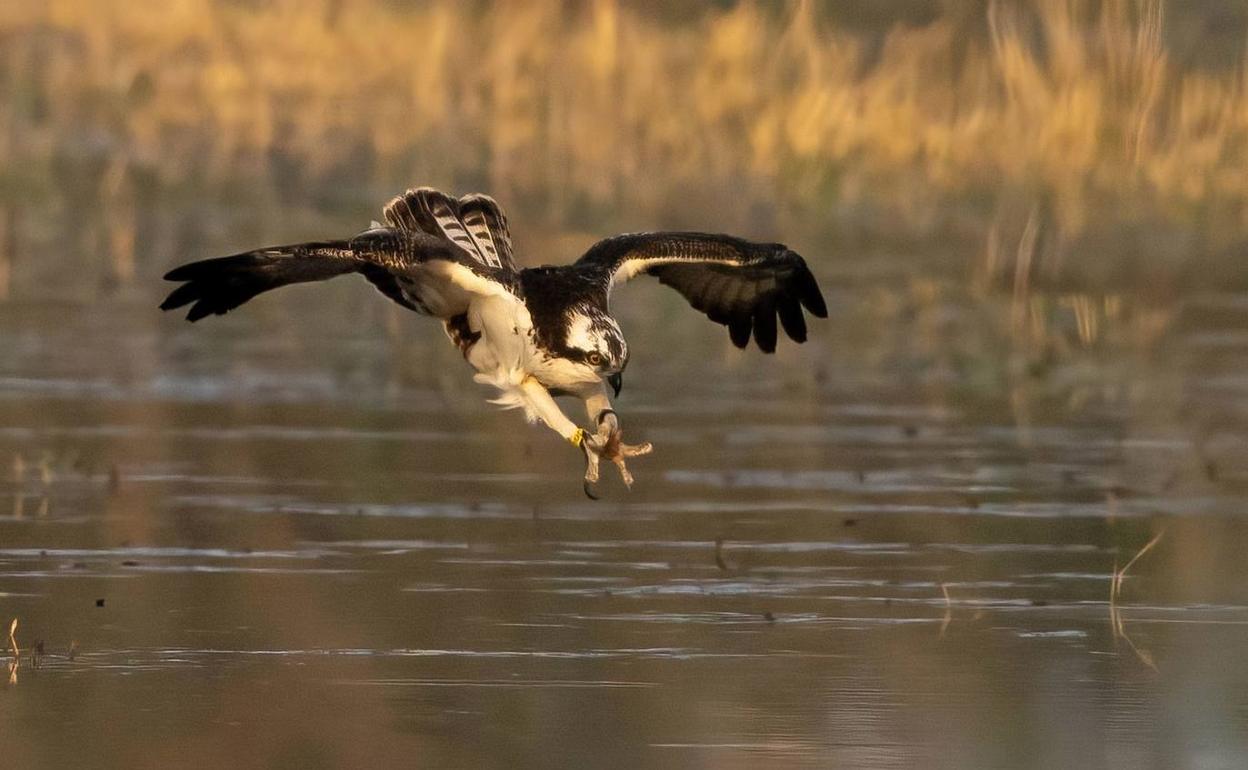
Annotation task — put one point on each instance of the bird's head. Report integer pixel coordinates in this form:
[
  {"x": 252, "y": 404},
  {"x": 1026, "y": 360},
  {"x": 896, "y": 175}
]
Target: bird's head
[{"x": 596, "y": 346}]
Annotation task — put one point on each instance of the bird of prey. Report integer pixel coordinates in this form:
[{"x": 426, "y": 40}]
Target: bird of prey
[{"x": 533, "y": 333}]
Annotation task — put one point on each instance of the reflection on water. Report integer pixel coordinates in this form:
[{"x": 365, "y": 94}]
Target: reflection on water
[{"x": 886, "y": 549}]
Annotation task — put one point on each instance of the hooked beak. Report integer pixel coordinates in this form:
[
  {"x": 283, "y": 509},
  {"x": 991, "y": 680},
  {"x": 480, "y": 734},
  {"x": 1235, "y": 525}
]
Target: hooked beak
[{"x": 617, "y": 382}]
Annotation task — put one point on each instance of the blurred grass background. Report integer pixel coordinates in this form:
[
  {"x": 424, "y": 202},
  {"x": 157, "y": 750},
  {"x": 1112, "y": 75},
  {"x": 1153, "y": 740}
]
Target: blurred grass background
[{"x": 1074, "y": 143}]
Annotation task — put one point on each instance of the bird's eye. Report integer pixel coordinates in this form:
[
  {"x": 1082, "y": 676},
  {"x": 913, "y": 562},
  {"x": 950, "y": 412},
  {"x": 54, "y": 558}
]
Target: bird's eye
[{"x": 594, "y": 359}]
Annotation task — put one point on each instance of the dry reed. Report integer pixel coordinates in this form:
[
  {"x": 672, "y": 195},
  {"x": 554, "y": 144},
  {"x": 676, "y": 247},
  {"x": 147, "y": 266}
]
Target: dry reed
[
  {"x": 1115, "y": 612},
  {"x": 750, "y": 113}
]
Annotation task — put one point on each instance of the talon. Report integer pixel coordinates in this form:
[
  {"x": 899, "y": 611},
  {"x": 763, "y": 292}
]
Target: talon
[{"x": 607, "y": 443}]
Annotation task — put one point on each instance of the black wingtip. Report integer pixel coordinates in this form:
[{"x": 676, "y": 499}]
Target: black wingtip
[
  {"x": 791, "y": 319},
  {"x": 739, "y": 330},
  {"x": 765, "y": 326},
  {"x": 816, "y": 306},
  {"x": 200, "y": 310},
  {"x": 183, "y": 295},
  {"x": 204, "y": 298},
  {"x": 810, "y": 295},
  {"x": 192, "y": 270},
  {"x": 179, "y": 273}
]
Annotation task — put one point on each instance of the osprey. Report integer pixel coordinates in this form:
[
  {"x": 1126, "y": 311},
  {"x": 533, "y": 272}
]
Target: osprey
[{"x": 533, "y": 333}]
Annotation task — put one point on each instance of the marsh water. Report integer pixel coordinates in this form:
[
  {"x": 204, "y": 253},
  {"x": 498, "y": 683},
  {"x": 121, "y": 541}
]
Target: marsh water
[
  {"x": 993, "y": 515},
  {"x": 297, "y": 537}
]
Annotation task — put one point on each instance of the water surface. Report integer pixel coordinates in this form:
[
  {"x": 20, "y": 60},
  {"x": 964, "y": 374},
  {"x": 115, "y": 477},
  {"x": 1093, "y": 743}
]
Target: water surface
[{"x": 291, "y": 538}]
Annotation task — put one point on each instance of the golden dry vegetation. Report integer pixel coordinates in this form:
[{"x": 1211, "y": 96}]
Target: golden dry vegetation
[{"x": 1014, "y": 133}]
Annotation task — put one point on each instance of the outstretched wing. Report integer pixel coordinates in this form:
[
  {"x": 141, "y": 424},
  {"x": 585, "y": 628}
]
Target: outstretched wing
[
  {"x": 418, "y": 270},
  {"x": 735, "y": 282},
  {"x": 474, "y": 223}
]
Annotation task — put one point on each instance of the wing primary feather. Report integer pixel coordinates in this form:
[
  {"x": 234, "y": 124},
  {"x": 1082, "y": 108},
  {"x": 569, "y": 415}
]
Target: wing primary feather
[
  {"x": 809, "y": 294},
  {"x": 791, "y": 319},
  {"x": 739, "y": 329},
  {"x": 183, "y": 295},
  {"x": 765, "y": 324}
]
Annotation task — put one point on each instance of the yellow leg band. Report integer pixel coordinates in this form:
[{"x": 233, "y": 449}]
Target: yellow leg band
[{"x": 576, "y": 438}]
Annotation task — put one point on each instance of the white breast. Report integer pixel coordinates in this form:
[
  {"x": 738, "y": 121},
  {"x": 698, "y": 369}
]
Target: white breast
[
  {"x": 504, "y": 325},
  {"x": 506, "y": 354},
  {"x": 502, "y": 355}
]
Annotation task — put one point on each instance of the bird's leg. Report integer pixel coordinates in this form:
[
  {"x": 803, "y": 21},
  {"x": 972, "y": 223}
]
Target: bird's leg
[
  {"x": 543, "y": 404},
  {"x": 607, "y": 441},
  {"x": 598, "y": 407}
]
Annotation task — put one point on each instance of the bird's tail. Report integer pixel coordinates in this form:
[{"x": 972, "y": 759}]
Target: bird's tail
[{"x": 217, "y": 286}]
